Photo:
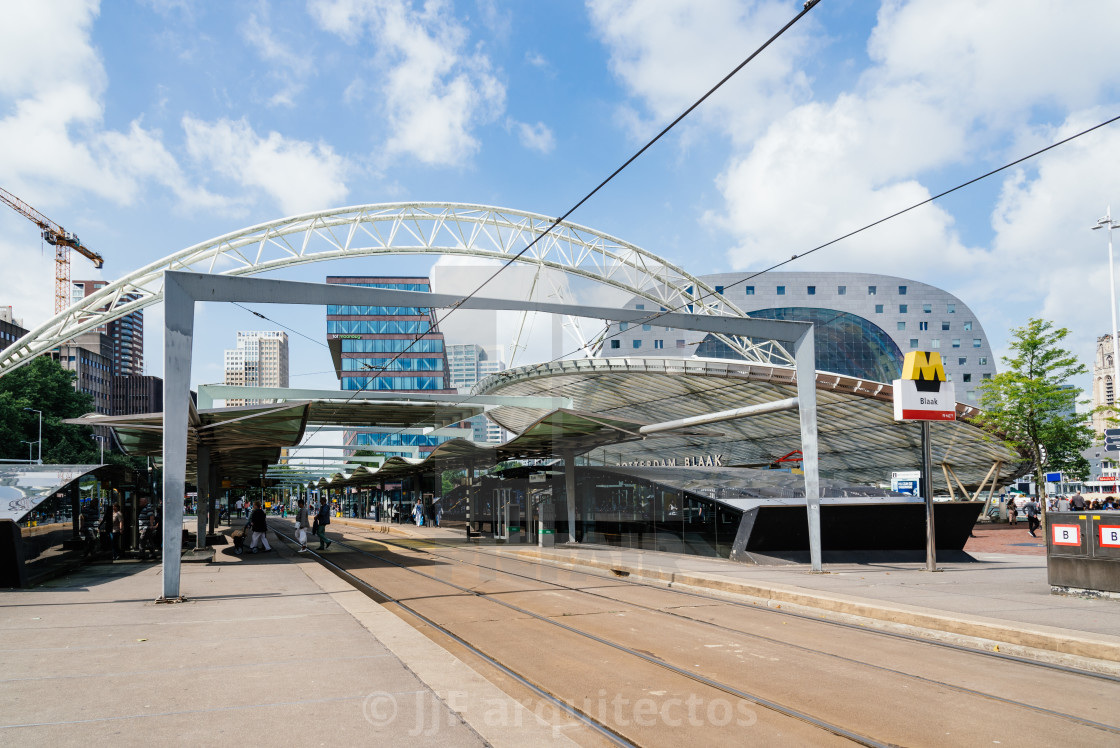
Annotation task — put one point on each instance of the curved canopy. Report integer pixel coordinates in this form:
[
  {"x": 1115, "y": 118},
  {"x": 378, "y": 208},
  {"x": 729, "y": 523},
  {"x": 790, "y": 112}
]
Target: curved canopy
[
  {"x": 401, "y": 228},
  {"x": 859, "y": 440}
]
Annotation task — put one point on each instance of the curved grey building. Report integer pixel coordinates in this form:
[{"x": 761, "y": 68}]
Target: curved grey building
[{"x": 865, "y": 324}]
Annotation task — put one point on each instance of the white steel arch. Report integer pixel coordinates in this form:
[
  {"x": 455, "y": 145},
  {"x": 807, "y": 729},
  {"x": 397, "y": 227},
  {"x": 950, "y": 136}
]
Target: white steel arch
[{"x": 402, "y": 228}]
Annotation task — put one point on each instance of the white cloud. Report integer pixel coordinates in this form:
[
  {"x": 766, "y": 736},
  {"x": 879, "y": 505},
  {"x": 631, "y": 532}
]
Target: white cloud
[
  {"x": 291, "y": 68},
  {"x": 669, "y": 53},
  {"x": 435, "y": 91},
  {"x": 53, "y": 132},
  {"x": 955, "y": 88},
  {"x": 298, "y": 175},
  {"x": 536, "y": 137}
]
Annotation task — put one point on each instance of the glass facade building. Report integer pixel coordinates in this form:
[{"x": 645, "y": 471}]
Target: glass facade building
[
  {"x": 389, "y": 348},
  {"x": 844, "y": 343}
]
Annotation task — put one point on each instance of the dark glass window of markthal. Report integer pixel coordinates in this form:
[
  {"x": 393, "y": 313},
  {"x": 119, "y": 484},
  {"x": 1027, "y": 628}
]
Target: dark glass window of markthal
[{"x": 844, "y": 343}]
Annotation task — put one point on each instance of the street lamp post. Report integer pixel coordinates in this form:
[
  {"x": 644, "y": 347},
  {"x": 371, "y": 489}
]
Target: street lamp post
[
  {"x": 33, "y": 410},
  {"x": 1108, "y": 223},
  {"x": 101, "y": 440}
]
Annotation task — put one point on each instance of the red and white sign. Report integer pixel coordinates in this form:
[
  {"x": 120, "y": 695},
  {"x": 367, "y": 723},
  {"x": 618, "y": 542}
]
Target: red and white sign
[
  {"x": 1110, "y": 536},
  {"x": 1066, "y": 534},
  {"x": 910, "y": 404}
]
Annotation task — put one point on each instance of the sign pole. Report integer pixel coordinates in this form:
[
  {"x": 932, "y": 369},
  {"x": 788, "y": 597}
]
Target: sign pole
[{"x": 927, "y": 492}]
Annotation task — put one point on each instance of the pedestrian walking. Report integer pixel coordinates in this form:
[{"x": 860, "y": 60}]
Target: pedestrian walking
[
  {"x": 322, "y": 519},
  {"x": 418, "y": 514},
  {"x": 1077, "y": 503},
  {"x": 1031, "y": 510},
  {"x": 439, "y": 512},
  {"x": 302, "y": 526},
  {"x": 1012, "y": 512},
  {"x": 259, "y": 522},
  {"x": 116, "y": 531}
]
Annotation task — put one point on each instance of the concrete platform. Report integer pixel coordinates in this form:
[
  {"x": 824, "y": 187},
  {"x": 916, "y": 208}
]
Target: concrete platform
[
  {"x": 1003, "y": 600},
  {"x": 270, "y": 649}
]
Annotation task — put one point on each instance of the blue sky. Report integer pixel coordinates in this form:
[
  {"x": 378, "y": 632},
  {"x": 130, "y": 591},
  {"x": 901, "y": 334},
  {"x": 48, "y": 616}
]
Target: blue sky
[{"x": 149, "y": 126}]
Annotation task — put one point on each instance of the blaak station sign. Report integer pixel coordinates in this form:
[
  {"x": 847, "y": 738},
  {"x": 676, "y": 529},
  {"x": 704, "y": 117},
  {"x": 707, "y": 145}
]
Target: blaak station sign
[{"x": 923, "y": 393}]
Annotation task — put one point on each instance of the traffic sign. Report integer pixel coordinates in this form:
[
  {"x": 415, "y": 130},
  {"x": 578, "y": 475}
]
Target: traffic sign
[{"x": 1112, "y": 440}]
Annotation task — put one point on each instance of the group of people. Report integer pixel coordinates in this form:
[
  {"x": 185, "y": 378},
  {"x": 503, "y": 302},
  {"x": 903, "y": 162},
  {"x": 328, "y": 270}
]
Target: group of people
[
  {"x": 420, "y": 516},
  {"x": 258, "y": 524},
  {"x": 106, "y": 531},
  {"x": 1030, "y": 508}
]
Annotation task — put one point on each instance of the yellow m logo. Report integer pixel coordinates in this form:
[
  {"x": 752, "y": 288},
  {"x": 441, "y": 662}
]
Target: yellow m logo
[{"x": 923, "y": 366}]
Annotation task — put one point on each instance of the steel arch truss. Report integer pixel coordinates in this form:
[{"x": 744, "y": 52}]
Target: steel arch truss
[{"x": 404, "y": 228}]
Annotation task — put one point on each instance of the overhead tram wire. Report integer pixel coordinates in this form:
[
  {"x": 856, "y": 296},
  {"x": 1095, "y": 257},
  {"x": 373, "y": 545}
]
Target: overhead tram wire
[
  {"x": 808, "y": 5},
  {"x": 656, "y": 315}
]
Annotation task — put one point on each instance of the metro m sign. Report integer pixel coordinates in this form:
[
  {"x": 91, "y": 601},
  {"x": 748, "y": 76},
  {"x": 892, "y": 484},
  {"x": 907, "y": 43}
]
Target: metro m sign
[{"x": 923, "y": 394}]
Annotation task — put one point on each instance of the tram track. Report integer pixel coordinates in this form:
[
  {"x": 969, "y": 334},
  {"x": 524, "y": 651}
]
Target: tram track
[
  {"x": 600, "y": 727},
  {"x": 663, "y": 662},
  {"x": 781, "y": 612}
]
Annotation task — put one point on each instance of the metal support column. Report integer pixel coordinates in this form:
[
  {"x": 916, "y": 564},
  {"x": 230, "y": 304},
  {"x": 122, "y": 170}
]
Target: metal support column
[
  {"x": 570, "y": 491},
  {"x": 805, "y": 360},
  {"x": 215, "y": 491},
  {"x": 202, "y": 483},
  {"x": 178, "y": 339},
  {"x": 927, "y": 492}
]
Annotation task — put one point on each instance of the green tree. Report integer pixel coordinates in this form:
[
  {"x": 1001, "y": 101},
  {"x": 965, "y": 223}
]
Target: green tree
[
  {"x": 1030, "y": 407},
  {"x": 44, "y": 385}
]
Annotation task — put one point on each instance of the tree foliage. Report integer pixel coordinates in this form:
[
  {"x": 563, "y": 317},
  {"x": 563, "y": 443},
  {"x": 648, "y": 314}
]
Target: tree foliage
[
  {"x": 43, "y": 384},
  {"x": 1030, "y": 407}
]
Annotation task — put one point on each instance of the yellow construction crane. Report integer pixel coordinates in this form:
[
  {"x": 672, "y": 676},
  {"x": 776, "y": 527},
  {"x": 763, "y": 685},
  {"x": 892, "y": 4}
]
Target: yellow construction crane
[{"x": 62, "y": 241}]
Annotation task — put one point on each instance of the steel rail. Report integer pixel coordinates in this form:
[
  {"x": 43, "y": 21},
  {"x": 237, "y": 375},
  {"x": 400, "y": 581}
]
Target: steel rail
[{"x": 711, "y": 683}]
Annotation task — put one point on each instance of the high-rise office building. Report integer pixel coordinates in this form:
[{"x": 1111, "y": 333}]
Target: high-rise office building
[
  {"x": 390, "y": 348},
  {"x": 467, "y": 364},
  {"x": 259, "y": 360}
]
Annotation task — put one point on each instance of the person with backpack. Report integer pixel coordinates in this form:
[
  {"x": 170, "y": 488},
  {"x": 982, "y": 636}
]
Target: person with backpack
[
  {"x": 259, "y": 522},
  {"x": 322, "y": 519}
]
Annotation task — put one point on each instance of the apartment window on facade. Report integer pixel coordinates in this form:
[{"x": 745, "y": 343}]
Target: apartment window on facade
[
  {"x": 968, "y": 326},
  {"x": 966, "y": 377},
  {"x": 902, "y": 290},
  {"x": 659, "y": 344},
  {"x": 952, "y": 308},
  {"x": 935, "y": 343},
  {"x": 927, "y": 308},
  {"x": 680, "y": 344},
  {"x": 913, "y": 342},
  {"x": 871, "y": 290},
  {"x": 878, "y": 308},
  {"x": 901, "y": 325},
  {"x": 637, "y": 344},
  {"x": 985, "y": 376},
  {"x": 719, "y": 289},
  {"x": 962, "y": 361},
  {"x": 841, "y": 290},
  {"x": 616, "y": 344},
  {"x": 976, "y": 342},
  {"x": 972, "y": 394},
  {"x": 923, "y": 325},
  {"x": 902, "y": 308},
  {"x": 749, "y": 291},
  {"x": 640, "y": 306},
  {"x": 647, "y": 328},
  {"x": 812, "y": 290},
  {"x": 781, "y": 290},
  {"x": 623, "y": 325},
  {"x": 983, "y": 360},
  {"x": 956, "y": 342}
]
